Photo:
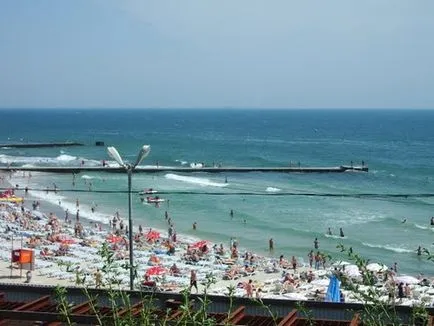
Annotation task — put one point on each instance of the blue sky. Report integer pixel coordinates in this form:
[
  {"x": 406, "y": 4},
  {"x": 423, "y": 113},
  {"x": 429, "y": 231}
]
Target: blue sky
[{"x": 221, "y": 53}]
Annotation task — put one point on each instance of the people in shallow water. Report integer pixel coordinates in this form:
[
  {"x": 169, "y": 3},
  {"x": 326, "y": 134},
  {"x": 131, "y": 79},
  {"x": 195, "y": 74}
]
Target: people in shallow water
[
  {"x": 419, "y": 251},
  {"x": 432, "y": 221},
  {"x": 329, "y": 232},
  {"x": 341, "y": 233}
]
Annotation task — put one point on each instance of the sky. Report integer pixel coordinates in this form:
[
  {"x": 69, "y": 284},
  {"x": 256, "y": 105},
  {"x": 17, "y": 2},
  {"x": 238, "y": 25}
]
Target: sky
[{"x": 216, "y": 54}]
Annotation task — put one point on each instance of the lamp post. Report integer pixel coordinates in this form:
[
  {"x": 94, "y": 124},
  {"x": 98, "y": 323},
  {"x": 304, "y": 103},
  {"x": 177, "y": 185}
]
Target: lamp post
[{"x": 144, "y": 151}]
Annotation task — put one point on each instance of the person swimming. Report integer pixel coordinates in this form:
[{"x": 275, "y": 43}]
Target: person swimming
[{"x": 315, "y": 243}]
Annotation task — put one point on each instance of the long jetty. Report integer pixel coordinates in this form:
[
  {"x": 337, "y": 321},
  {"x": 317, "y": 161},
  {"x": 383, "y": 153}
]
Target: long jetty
[
  {"x": 289, "y": 169},
  {"x": 40, "y": 145}
]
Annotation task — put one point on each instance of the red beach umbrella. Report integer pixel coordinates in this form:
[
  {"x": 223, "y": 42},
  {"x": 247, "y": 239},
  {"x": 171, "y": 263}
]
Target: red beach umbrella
[
  {"x": 114, "y": 239},
  {"x": 200, "y": 244},
  {"x": 155, "y": 270},
  {"x": 153, "y": 235}
]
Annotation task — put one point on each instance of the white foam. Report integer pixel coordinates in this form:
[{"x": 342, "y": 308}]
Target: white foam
[
  {"x": 199, "y": 181},
  {"x": 85, "y": 210},
  {"x": 87, "y": 177},
  {"x": 38, "y": 160},
  {"x": 65, "y": 158},
  {"x": 334, "y": 236},
  {"x": 272, "y": 189},
  {"x": 424, "y": 227},
  {"x": 387, "y": 247}
]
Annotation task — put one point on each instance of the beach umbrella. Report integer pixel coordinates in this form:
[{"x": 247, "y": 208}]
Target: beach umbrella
[
  {"x": 200, "y": 244},
  {"x": 333, "y": 291},
  {"x": 155, "y": 270},
  {"x": 352, "y": 271},
  {"x": 407, "y": 279},
  {"x": 153, "y": 235},
  {"x": 375, "y": 267}
]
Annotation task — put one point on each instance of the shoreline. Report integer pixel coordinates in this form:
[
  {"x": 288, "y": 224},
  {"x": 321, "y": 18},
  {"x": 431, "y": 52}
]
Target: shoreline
[{"x": 48, "y": 271}]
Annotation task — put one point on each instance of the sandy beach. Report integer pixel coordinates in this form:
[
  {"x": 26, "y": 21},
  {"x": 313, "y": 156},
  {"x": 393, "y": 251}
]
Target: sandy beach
[{"x": 66, "y": 251}]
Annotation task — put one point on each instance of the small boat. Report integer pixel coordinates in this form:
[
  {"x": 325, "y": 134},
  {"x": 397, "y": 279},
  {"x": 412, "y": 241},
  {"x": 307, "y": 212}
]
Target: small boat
[
  {"x": 148, "y": 192},
  {"x": 154, "y": 200}
]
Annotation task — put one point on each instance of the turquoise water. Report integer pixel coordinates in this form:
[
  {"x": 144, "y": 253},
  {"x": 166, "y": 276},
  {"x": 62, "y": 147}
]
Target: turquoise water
[{"x": 396, "y": 144}]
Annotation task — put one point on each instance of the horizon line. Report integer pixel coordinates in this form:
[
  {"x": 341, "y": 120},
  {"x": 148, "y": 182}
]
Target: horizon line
[{"x": 215, "y": 108}]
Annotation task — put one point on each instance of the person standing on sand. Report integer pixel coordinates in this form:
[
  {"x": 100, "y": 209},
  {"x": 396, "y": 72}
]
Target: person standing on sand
[
  {"x": 400, "y": 291},
  {"x": 98, "y": 279},
  {"x": 294, "y": 263},
  {"x": 193, "y": 280},
  {"x": 249, "y": 288},
  {"x": 310, "y": 256},
  {"x": 317, "y": 260},
  {"x": 28, "y": 277}
]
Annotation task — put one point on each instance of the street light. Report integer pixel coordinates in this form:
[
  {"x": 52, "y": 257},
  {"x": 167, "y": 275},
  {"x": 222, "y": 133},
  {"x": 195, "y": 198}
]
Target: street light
[{"x": 144, "y": 151}]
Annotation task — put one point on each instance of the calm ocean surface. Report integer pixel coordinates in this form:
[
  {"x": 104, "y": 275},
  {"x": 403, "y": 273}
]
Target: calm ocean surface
[{"x": 397, "y": 145}]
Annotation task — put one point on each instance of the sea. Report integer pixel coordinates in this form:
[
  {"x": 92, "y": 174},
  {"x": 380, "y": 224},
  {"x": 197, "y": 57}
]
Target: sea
[{"x": 384, "y": 213}]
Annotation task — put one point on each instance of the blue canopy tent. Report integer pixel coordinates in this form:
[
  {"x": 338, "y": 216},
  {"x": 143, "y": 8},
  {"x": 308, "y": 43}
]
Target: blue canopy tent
[{"x": 333, "y": 290}]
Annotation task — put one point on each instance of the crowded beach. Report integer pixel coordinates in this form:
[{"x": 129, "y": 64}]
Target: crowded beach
[{"x": 67, "y": 252}]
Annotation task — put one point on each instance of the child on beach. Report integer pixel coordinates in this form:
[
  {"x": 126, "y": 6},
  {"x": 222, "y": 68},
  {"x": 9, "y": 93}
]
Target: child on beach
[{"x": 193, "y": 280}]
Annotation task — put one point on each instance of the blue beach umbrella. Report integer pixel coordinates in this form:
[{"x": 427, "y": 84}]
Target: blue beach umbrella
[{"x": 333, "y": 290}]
